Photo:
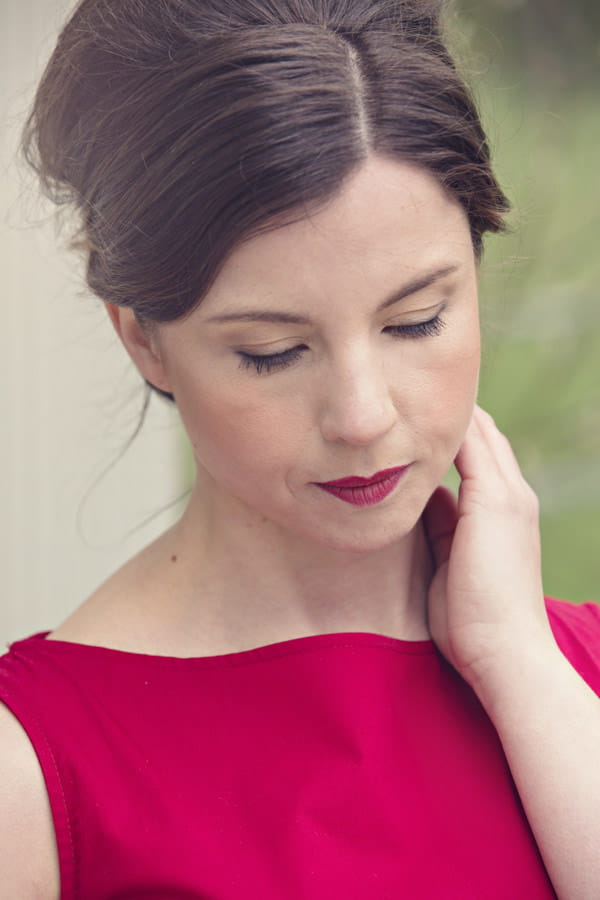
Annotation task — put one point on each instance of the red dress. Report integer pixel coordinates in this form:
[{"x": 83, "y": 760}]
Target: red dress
[{"x": 336, "y": 766}]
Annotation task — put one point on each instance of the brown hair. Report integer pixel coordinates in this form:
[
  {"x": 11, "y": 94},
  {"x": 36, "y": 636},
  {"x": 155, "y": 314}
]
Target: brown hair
[{"x": 178, "y": 128}]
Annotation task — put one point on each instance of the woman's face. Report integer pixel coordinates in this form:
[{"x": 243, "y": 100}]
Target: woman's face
[{"x": 340, "y": 346}]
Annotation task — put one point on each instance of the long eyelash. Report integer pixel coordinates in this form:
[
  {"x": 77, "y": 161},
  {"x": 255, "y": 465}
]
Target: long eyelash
[
  {"x": 268, "y": 363},
  {"x": 419, "y": 329}
]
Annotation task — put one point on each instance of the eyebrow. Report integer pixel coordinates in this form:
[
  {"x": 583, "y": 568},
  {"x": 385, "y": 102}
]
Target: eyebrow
[{"x": 413, "y": 287}]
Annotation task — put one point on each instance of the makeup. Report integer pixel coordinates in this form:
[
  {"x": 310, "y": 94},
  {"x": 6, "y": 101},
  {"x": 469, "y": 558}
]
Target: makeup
[{"x": 364, "y": 491}]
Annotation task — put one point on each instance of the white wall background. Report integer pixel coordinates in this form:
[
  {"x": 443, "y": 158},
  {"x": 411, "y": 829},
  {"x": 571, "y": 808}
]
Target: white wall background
[{"x": 69, "y": 398}]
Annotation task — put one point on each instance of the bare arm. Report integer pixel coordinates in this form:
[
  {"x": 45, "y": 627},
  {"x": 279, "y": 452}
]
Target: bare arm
[
  {"x": 487, "y": 615},
  {"x": 28, "y": 856},
  {"x": 548, "y": 720}
]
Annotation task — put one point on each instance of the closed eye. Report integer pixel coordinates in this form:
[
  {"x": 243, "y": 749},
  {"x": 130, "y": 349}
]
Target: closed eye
[
  {"x": 417, "y": 329},
  {"x": 264, "y": 364},
  {"x": 273, "y": 361}
]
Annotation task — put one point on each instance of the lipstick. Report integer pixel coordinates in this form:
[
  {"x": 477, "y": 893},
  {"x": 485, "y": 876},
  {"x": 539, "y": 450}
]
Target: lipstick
[{"x": 364, "y": 491}]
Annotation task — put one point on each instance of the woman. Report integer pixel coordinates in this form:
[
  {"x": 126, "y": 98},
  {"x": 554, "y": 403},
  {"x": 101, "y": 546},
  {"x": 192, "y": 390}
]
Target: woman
[{"x": 329, "y": 678}]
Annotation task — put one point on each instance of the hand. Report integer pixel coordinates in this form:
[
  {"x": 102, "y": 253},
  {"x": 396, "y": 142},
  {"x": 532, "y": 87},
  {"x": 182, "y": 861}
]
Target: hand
[{"x": 486, "y": 601}]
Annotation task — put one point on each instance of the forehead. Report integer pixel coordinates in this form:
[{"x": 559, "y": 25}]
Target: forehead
[{"x": 391, "y": 220}]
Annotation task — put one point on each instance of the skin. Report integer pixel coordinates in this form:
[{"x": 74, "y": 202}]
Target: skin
[
  {"x": 364, "y": 399},
  {"x": 358, "y": 399}
]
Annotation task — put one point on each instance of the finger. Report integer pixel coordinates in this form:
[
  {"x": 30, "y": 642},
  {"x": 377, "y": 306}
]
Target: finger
[
  {"x": 439, "y": 518},
  {"x": 495, "y": 439},
  {"x": 490, "y": 473},
  {"x": 486, "y": 452}
]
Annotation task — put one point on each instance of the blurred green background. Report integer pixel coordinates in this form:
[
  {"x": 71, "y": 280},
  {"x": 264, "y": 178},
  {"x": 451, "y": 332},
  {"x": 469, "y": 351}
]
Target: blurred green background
[{"x": 535, "y": 68}]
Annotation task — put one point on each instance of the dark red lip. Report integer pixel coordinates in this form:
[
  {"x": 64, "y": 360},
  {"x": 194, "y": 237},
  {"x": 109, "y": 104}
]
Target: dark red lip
[{"x": 357, "y": 481}]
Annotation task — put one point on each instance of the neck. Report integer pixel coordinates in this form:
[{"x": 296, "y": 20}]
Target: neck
[{"x": 247, "y": 583}]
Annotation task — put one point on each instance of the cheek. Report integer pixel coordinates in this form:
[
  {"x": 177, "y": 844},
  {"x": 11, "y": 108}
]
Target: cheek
[
  {"x": 232, "y": 432},
  {"x": 442, "y": 405}
]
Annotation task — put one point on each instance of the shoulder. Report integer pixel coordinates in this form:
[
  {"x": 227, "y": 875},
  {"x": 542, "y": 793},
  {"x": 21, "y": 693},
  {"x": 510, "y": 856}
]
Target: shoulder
[
  {"x": 576, "y": 628},
  {"x": 127, "y": 611},
  {"x": 28, "y": 855}
]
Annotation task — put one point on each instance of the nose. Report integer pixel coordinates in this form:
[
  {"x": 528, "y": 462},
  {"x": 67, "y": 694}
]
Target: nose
[{"x": 357, "y": 404}]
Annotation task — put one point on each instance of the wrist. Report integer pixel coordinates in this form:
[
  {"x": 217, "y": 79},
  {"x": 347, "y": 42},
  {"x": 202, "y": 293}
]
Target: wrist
[{"x": 518, "y": 674}]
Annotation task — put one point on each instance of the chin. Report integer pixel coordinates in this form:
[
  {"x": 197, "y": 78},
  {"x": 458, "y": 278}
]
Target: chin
[{"x": 362, "y": 540}]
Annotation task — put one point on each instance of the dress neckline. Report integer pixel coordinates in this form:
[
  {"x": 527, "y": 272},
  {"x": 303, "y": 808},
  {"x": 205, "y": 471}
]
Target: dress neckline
[{"x": 289, "y": 647}]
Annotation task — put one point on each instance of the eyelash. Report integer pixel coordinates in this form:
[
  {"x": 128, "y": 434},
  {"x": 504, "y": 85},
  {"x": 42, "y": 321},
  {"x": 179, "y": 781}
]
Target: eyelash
[
  {"x": 287, "y": 358},
  {"x": 274, "y": 361}
]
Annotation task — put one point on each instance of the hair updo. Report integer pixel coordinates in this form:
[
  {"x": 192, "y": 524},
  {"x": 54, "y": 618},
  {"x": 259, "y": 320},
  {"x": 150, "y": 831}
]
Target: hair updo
[{"x": 178, "y": 128}]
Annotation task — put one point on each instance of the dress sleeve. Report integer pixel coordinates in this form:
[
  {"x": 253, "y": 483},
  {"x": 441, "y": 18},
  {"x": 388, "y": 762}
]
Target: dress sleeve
[{"x": 576, "y": 628}]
